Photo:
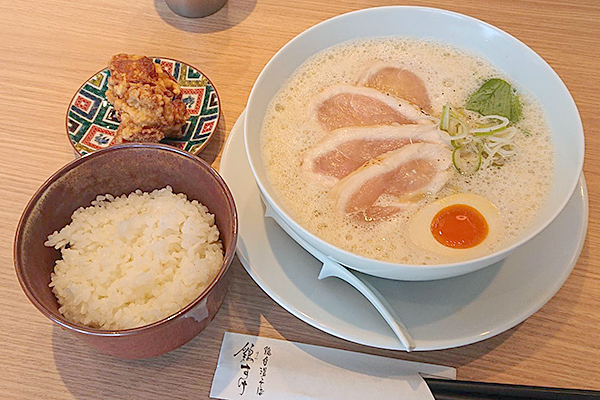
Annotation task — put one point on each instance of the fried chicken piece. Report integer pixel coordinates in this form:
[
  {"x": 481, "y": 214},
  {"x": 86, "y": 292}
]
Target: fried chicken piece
[
  {"x": 129, "y": 131},
  {"x": 147, "y": 100}
]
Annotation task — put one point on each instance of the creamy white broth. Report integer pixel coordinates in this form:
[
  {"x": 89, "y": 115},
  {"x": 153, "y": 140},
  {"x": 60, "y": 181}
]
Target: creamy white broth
[{"x": 518, "y": 189}]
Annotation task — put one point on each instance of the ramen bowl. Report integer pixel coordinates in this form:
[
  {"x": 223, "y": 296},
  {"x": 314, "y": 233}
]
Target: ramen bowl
[{"x": 517, "y": 61}]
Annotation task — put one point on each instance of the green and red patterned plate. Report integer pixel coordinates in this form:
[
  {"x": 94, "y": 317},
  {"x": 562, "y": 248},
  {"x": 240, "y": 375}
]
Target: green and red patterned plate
[{"x": 92, "y": 122}]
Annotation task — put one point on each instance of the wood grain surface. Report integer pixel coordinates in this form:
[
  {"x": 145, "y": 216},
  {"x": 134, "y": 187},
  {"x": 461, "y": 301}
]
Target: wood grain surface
[{"x": 49, "y": 47}]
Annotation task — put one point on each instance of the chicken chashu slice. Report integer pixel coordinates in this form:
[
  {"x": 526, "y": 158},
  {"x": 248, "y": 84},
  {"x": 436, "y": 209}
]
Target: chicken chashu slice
[
  {"x": 340, "y": 106},
  {"x": 345, "y": 150},
  {"x": 398, "y": 82},
  {"x": 406, "y": 174}
]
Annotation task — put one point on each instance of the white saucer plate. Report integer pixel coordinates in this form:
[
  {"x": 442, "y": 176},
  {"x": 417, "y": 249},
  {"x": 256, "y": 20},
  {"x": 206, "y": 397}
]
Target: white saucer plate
[{"x": 438, "y": 314}]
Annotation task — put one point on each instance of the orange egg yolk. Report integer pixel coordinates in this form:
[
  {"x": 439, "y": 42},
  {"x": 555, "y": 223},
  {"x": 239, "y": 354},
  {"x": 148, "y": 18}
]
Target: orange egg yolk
[{"x": 459, "y": 226}]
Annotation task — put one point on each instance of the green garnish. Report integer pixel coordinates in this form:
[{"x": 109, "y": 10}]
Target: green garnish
[
  {"x": 496, "y": 97},
  {"x": 450, "y": 122},
  {"x": 458, "y": 143},
  {"x": 445, "y": 118},
  {"x": 467, "y": 158},
  {"x": 515, "y": 108},
  {"x": 490, "y": 125}
]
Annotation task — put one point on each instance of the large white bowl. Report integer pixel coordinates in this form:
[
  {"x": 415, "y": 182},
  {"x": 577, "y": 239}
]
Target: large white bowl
[{"x": 521, "y": 64}]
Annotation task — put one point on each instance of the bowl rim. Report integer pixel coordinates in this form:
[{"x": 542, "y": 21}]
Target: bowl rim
[
  {"x": 57, "y": 317},
  {"x": 153, "y": 58},
  {"x": 470, "y": 263}
]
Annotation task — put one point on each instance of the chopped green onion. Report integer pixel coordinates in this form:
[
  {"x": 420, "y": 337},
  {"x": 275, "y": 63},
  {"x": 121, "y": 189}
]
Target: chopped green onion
[
  {"x": 490, "y": 133},
  {"x": 456, "y": 143},
  {"x": 445, "y": 118},
  {"x": 489, "y": 143},
  {"x": 491, "y": 128},
  {"x": 467, "y": 158},
  {"x": 451, "y": 122}
]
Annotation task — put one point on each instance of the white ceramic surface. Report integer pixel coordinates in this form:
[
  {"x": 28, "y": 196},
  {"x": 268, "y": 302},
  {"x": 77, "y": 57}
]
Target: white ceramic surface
[
  {"x": 331, "y": 268},
  {"x": 438, "y": 314},
  {"x": 519, "y": 63}
]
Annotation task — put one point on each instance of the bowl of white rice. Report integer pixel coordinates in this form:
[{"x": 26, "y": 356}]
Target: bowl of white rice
[{"x": 129, "y": 248}]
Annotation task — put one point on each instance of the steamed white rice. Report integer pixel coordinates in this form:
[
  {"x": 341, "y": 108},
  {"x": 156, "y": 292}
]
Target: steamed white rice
[{"x": 133, "y": 260}]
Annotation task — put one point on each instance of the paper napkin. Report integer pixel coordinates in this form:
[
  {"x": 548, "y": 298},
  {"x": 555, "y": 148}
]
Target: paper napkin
[{"x": 251, "y": 367}]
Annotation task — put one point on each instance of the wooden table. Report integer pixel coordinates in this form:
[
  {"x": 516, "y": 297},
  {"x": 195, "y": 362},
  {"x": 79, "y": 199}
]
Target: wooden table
[{"x": 50, "y": 47}]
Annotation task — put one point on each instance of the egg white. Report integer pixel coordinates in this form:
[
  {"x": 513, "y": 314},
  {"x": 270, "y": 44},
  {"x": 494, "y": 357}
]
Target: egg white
[{"x": 420, "y": 226}]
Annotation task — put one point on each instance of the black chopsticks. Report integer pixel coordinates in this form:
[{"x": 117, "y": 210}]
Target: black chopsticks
[{"x": 443, "y": 389}]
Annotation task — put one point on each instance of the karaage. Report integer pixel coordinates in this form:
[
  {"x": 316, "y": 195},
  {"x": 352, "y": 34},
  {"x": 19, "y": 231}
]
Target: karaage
[{"x": 146, "y": 98}]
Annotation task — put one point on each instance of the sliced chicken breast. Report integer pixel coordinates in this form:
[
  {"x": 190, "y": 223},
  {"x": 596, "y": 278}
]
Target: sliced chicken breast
[
  {"x": 340, "y": 106},
  {"x": 398, "y": 82},
  {"x": 345, "y": 150},
  {"x": 406, "y": 173}
]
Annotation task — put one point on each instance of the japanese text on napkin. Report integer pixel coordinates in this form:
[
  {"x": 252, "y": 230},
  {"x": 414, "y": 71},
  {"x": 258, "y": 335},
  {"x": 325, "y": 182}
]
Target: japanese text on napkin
[{"x": 251, "y": 367}]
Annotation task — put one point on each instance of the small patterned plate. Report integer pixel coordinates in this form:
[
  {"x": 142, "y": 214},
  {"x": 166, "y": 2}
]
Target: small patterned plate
[{"x": 92, "y": 122}]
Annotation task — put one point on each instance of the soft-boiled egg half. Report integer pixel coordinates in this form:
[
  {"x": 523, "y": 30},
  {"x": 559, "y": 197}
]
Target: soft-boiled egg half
[{"x": 460, "y": 226}]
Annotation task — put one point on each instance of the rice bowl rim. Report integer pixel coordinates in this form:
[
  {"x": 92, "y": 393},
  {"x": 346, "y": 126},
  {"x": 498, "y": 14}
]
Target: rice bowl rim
[{"x": 57, "y": 317}]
